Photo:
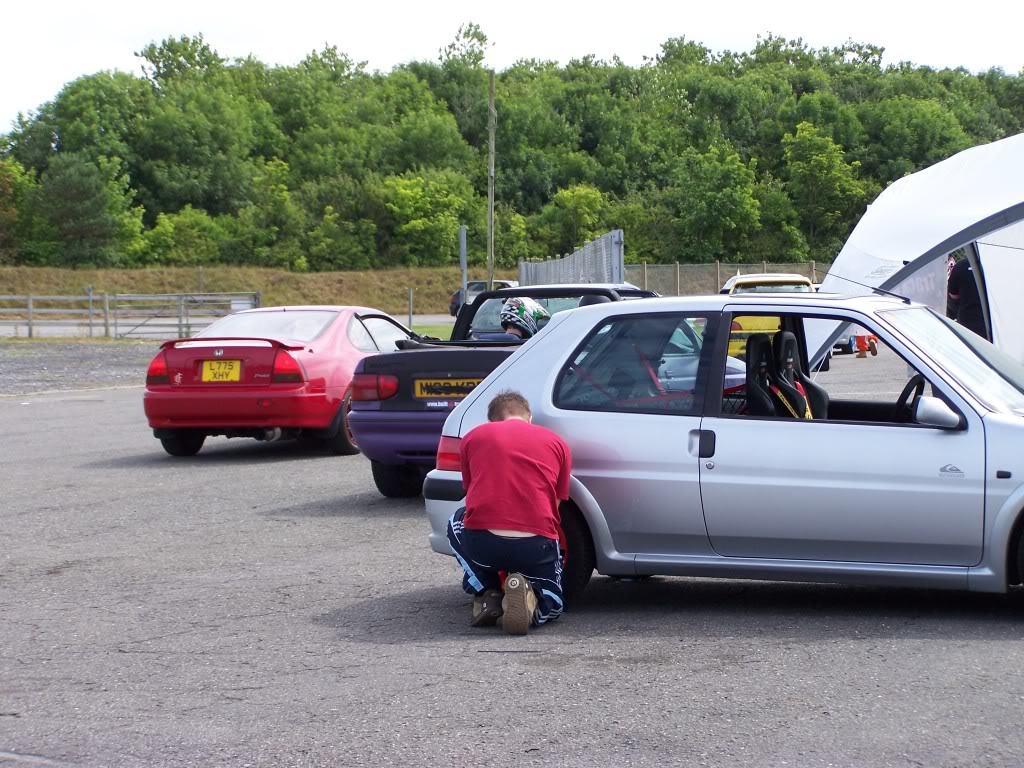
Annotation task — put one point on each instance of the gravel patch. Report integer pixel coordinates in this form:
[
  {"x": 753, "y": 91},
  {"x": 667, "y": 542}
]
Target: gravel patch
[{"x": 27, "y": 367}]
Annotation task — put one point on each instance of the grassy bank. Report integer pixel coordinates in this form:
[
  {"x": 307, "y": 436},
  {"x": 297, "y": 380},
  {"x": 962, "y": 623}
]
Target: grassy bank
[{"x": 383, "y": 289}]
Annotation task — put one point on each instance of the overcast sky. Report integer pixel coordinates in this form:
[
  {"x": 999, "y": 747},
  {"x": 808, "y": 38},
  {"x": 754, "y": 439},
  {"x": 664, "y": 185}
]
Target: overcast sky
[{"x": 47, "y": 45}]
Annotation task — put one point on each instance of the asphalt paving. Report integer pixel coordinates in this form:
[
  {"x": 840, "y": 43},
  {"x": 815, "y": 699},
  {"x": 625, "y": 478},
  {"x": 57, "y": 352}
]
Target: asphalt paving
[{"x": 261, "y": 605}]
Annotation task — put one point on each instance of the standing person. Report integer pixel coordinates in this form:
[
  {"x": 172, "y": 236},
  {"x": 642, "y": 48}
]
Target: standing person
[
  {"x": 964, "y": 297},
  {"x": 515, "y": 475}
]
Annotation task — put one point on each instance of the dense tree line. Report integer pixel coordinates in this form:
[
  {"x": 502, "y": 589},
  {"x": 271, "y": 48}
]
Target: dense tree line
[{"x": 766, "y": 155}]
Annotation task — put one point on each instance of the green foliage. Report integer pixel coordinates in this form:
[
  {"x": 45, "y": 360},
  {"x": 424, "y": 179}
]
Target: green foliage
[
  {"x": 769, "y": 154},
  {"x": 573, "y": 217},
  {"x": 189, "y": 236},
  {"x": 87, "y": 216},
  {"x": 424, "y": 213},
  {"x": 714, "y": 211},
  {"x": 823, "y": 186}
]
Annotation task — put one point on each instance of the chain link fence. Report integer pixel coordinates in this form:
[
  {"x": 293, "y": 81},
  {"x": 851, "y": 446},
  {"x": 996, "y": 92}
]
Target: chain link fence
[
  {"x": 599, "y": 261},
  {"x": 702, "y": 279}
]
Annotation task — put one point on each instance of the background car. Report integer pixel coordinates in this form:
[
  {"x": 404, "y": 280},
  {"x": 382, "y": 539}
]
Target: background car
[
  {"x": 400, "y": 400},
  {"x": 911, "y": 478},
  {"x": 761, "y": 282},
  {"x": 473, "y": 289},
  {"x": 270, "y": 374}
]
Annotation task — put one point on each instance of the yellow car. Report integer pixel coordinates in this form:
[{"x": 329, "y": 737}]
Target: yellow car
[{"x": 768, "y": 282}]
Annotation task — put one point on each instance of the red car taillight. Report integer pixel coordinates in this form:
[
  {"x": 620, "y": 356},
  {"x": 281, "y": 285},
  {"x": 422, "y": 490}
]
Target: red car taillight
[
  {"x": 286, "y": 369},
  {"x": 448, "y": 454},
  {"x": 370, "y": 386},
  {"x": 157, "y": 373}
]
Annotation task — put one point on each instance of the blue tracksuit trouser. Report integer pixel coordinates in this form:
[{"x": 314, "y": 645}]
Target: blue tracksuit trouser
[{"x": 483, "y": 555}]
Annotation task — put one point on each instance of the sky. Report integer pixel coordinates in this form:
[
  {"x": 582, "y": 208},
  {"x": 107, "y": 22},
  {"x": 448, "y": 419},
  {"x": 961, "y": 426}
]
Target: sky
[{"x": 43, "y": 51}]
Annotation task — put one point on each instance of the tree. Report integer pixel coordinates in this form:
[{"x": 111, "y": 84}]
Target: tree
[
  {"x": 187, "y": 237},
  {"x": 337, "y": 244},
  {"x": 714, "y": 211},
  {"x": 779, "y": 237},
  {"x": 184, "y": 57},
  {"x": 424, "y": 212},
  {"x": 573, "y": 217},
  {"x": 905, "y": 135},
  {"x": 17, "y": 190},
  {"x": 824, "y": 187},
  {"x": 88, "y": 207}
]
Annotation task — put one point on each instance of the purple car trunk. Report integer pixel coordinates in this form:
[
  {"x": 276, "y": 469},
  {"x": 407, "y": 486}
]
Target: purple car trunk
[{"x": 397, "y": 437}]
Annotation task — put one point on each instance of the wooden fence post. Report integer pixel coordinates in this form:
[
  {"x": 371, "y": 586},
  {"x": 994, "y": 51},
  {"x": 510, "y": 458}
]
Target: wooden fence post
[
  {"x": 106, "y": 315},
  {"x": 30, "y": 316}
]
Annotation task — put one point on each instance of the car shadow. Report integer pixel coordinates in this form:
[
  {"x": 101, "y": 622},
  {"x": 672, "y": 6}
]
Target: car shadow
[
  {"x": 356, "y": 505},
  {"x": 701, "y": 609},
  {"x": 238, "y": 451}
]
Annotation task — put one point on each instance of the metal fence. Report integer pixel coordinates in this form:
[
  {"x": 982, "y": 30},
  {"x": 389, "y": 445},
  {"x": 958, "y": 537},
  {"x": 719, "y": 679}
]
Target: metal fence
[
  {"x": 119, "y": 315},
  {"x": 703, "y": 279},
  {"x": 599, "y": 261}
]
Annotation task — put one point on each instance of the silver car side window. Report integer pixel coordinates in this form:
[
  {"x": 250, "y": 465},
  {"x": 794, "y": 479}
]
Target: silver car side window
[
  {"x": 866, "y": 380},
  {"x": 638, "y": 364}
]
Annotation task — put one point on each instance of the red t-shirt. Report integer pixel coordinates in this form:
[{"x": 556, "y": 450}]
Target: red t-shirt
[{"x": 515, "y": 473}]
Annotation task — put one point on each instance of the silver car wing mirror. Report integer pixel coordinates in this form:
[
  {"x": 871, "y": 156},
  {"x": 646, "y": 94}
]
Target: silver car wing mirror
[{"x": 934, "y": 412}]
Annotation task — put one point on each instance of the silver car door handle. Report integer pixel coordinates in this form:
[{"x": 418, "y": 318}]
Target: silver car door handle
[{"x": 701, "y": 443}]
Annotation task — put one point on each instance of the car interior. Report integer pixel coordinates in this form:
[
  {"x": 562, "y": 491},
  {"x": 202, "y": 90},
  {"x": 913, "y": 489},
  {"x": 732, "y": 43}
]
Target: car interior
[
  {"x": 776, "y": 384},
  {"x": 646, "y": 364}
]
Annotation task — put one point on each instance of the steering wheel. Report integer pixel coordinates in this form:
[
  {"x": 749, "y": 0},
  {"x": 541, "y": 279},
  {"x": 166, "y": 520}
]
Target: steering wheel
[{"x": 903, "y": 412}]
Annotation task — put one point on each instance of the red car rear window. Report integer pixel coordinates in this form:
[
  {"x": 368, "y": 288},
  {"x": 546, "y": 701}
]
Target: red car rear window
[{"x": 295, "y": 325}]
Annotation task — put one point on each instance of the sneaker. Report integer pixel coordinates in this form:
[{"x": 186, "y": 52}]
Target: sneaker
[
  {"x": 518, "y": 604},
  {"x": 872, "y": 347},
  {"x": 486, "y": 608}
]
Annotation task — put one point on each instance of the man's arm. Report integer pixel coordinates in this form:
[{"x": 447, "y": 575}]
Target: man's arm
[
  {"x": 464, "y": 460},
  {"x": 953, "y": 292},
  {"x": 564, "y": 472}
]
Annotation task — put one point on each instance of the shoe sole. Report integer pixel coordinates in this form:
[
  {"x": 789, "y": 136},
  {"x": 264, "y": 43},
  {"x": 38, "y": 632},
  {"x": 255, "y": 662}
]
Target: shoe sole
[
  {"x": 516, "y": 618},
  {"x": 488, "y": 618}
]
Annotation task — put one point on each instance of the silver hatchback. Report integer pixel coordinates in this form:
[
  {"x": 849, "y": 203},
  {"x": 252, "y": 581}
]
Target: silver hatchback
[{"x": 703, "y": 449}]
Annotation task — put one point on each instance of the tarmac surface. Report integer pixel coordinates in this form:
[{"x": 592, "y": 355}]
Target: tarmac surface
[{"x": 261, "y": 605}]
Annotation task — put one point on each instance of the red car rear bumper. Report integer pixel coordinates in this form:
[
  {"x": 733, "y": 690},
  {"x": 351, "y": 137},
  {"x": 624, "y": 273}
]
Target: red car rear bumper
[{"x": 173, "y": 408}]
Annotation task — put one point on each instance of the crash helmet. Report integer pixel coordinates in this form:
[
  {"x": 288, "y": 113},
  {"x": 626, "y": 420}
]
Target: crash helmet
[{"x": 524, "y": 313}]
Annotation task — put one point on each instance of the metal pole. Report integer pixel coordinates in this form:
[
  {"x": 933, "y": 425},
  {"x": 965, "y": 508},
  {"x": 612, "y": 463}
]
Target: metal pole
[
  {"x": 200, "y": 279},
  {"x": 410, "y": 309},
  {"x": 30, "y": 316},
  {"x": 181, "y": 312},
  {"x": 764, "y": 266},
  {"x": 814, "y": 271},
  {"x": 115, "y": 317},
  {"x": 492, "y": 125},
  {"x": 718, "y": 276},
  {"x": 88, "y": 290},
  {"x": 678, "y": 293},
  {"x": 463, "y": 259},
  {"x": 645, "y": 275},
  {"x": 106, "y": 315}
]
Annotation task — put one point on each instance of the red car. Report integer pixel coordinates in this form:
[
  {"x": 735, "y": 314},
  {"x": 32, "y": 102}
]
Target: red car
[{"x": 271, "y": 374}]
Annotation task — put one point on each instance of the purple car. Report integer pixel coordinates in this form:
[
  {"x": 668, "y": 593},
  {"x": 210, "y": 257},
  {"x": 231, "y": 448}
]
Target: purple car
[{"x": 400, "y": 400}]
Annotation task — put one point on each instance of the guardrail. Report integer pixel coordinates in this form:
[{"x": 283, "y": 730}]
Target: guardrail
[{"x": 119, "y": 315}]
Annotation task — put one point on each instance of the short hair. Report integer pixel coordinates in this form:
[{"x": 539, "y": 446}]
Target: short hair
[{"x": 508, "y": 403}]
